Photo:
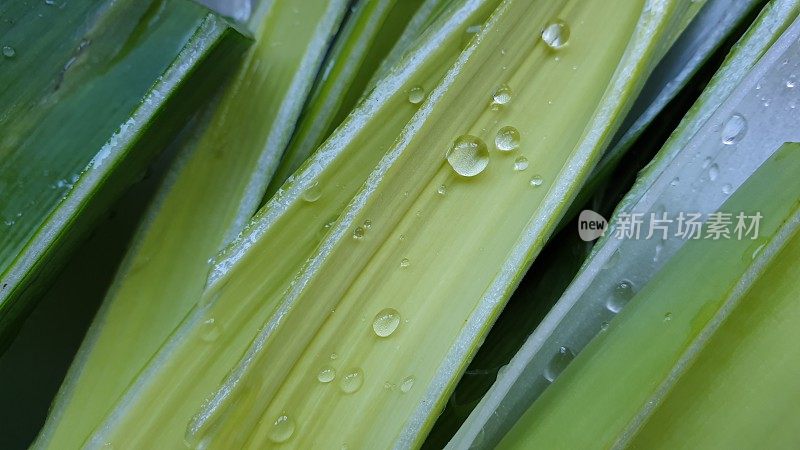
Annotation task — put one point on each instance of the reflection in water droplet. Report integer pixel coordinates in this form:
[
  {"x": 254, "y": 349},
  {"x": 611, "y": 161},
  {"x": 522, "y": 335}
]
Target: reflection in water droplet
[
  {"x": 416, "y": 95},
  {"x": 713, "y": 172},
  {"x": 352, "y": 381},
  {"x": 623, "y": 292},
  {"x": 520, "y": 164},
  {"x": 407, "y": 384},
  {"x": 556, "y": 34},
  {"x": 507, "y": 139},
  {"x": 312, "y": 193},
  {"x": 558, "y": 363},
  {"x": 468, "y": 156},
  {"x": 282, "y": 429},
  {"x": 386, "y": 322},
  {"x": 209, "y": 330},
  {"x": 734, "y": 129},
  {"x": 326, "y": 374},
  {"x": 501, "y": 96}
]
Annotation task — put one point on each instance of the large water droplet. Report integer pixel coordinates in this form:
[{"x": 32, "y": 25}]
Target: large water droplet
[
  {"x": 282, "y": 429},
  {"x": 556, "y": 34},
  {"x": 501, "y": 96},
  {"x": 386, "y": 322},
  {"x": 623, "y": 292},
  {"x": 407, "y": 384},
  {"x": 9, "y": 52},
  {"x": 734, "y": 129},
  {"x": 312, "y": 193},
  {"x": 416, "y": 95},
  {"x": 507, "y": 139},
  {"x": 468, "y": 156},
  {"x": 558, "y": 363},
  {"x": 520, "y": 164},
  {"x": 326, "y": 374},
  {"x": 352, "y": 381}
]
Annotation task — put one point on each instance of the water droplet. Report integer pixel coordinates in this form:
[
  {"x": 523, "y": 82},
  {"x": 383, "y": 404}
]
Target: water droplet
[
  {"x": 441, "y": 190},
  {"x": 282, "y": 429},
  {"x": 623, "y": 292},
  {"x": 507, "y": 139},
  {"x": 468, "y": 156},
  {"x": 556, "y": 34},
  {"x": 536, "y": 181},
  {"x": 791, "y": 82},
  {"x": 334, "y": 356},
  {"x": 604, "y": 327},
  {"x": 558, "y": 363},
  {"x": 734, "y": 129},
  {"x": 501, "y": 96},
  {"x": 407, "y": 384},
  {"x": 358, "y": 233},
  {"x": 520, "y": 164},
  {"x": 727, "y": 189},
  {"x": 386, "y": 321},
  {"x": 667, "y": 317},
  {"x": 707, "y": 162},
  {"x": 405, "y": 263},
  {"x": 352, "y": 381},
  {"x": 9, "y": 52},
  {"x": 367, "y": 224},
  {"x": 312, "y": 193},
  {"x": 675, "y": 181},
  {"x": 326, "y": 374},
  {"x": 416, "y": 95},
  {"x": 210, "y": 330},
  {"x": 713, "y": 172}
]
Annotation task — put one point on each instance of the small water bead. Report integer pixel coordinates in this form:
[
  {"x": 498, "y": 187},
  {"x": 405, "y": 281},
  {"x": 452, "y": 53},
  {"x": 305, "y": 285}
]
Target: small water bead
[
  {"x": 312, "y": 193},
  {"x": 416, "y": 95},
  {"x": 404, "y": 263},
  {"x": 536, "y": 181},
  {"x": 791, "y": 82},
  {"x": 727, "y": 189},
  {"x": 707, "y": 162},
  {"x": 507, "y": 139},
  {"x": 333, "y": 356},
  {"x": 558, "y": 363},
  {"x": 407, "y": 384},
  {"x": 386, "y": 321},
  {"x": 713, "y": 172},
  {"x": 326, "y": 374},
  {"x": 734, "y": 129},
  {"x": 282, "y": 429},
  {"x": 210, "y": 330},
  {"x": 675, "y": 181},
  {"x": 441, "y": 190},
  {"x": 623, "y": 292},
  {"x": 352, "y": 381},
  {"x": 501, "y": 96},
  {"x": 367, "y": 224},
  {"x": 556, "y": 34},
  {"x": 520, "y": 164},
  {"x": 358, "y": 233},
  {"x": 9, "y": 52},
  {"x": 604, "y": 327},
  {"x": 667, "y": 317},
  {"x": 468, "y": 156}
]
